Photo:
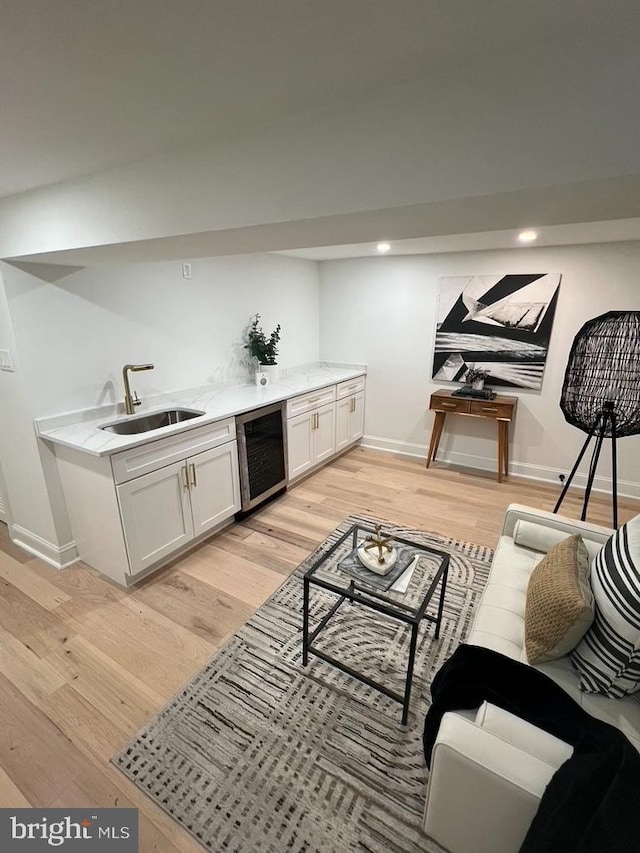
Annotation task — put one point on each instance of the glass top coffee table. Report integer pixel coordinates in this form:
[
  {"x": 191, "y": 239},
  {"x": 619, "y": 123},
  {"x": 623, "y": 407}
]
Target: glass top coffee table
[{"x": 339, "y": 571}]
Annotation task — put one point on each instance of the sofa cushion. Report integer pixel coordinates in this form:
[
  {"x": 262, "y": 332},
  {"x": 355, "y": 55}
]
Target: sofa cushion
[
  {"x": 608, "y": 657},
  {"x": 522, "y": 734},
  {"x": 541, "y": 537},
  {"x": 559, "y": 605},
  {"x": 623, "y": 713}
]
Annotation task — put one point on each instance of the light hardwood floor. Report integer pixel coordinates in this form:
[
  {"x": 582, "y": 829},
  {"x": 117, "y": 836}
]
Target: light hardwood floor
[{"x": 83, "y": 664}]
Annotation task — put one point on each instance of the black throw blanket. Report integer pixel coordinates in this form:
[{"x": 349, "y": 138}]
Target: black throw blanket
[{"x": 592, "y": 803}]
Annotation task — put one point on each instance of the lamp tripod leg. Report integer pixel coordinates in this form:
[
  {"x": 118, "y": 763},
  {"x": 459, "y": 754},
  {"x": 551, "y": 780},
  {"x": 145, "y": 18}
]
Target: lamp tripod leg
[
  {"x": 569, "y": 479},
  {"x": 614, "y": 471},
  {"x": 592, "y": 467}
]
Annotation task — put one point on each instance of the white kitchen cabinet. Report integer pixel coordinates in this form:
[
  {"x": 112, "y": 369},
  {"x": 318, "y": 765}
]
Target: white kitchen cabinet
[
  {"x": 311, "y": 439},
  {"x": 322, "y": 423},
  {"x": 324, "y": 434},
  {"x": 349, "y": 420},
  {"x": 350, "y": 387},
  {"x": 214, "y": 486},
  {"x": 299, "y": 445},
  {"x": 310, "y": 402},
  {"x": 156, "y": 515},
  {"x": 134, "y": 511},
  {"x": 164, "y": 510}
]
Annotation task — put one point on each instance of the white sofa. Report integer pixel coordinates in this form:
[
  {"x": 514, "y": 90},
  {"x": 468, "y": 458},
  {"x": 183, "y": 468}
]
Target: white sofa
[{"x": 489, "y": 768}]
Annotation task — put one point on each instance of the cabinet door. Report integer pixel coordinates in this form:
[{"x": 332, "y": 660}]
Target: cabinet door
[
  {"x": 299, "y": 444},
  {"x": 156, "y": 515},
  {"x": 356, "y": 426},
  {"x": 343, "y": 422},
  {"x": 324, "y": 435},
  {"x": 214, "y": 486}
]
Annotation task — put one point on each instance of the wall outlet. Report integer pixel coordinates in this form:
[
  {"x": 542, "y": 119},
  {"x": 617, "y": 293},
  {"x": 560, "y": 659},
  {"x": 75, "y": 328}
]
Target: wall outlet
[
  {"x": 6, "y": 362},
  {"x": 186, "y": 269}
]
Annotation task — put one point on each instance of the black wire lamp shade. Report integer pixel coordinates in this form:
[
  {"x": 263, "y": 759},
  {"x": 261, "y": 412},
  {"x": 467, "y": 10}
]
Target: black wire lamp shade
[
  {"x": 601, "y": 391},
  {"x": 604, "y": 367}
]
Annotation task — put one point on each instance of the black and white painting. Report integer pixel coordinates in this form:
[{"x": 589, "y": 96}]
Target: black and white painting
[{"x": 498, "y": 323}]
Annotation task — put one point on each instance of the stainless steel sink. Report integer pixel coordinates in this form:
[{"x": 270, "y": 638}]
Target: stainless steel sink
[{"x": 155, "y": 420}]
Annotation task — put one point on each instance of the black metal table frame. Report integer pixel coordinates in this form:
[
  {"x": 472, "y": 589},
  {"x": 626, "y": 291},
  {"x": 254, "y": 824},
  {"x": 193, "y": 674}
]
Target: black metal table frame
[{"x": 374, "y": 601}]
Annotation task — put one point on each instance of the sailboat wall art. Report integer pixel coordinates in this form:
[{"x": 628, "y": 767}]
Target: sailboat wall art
[{"x": 497, "y": 323}]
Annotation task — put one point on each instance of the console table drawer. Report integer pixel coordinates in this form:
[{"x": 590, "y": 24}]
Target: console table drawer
[
  {"x": 491, "y": 409},
  {"x": 450, "y": 404}
]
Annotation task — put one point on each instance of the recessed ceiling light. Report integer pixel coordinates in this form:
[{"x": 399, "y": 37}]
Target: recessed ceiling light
[
  {"x": 383, "y": 247},
  {"x": 527, "y": 236}
]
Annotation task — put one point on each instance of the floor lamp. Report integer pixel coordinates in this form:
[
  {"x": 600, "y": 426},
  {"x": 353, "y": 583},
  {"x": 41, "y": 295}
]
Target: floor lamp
[{"x": 601, "y": 392}]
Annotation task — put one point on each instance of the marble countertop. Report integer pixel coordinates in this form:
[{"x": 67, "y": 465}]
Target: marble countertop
[{"x": 80, "y": 430}]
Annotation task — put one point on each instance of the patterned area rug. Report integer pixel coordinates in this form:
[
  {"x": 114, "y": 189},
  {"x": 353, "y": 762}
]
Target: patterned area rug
[{"x": 256, "y": 753}]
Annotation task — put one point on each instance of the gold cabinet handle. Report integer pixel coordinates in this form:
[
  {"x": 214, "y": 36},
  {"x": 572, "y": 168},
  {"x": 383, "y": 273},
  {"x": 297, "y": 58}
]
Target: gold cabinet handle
[
  {"x": 313, "y": 399},
  {"x": 449, "y": 405},
  {"x": 353, "y": 404},
  {"x": 185, "y": 477},
  {"x": 192, "y": 468},
  {"x": 317, "y": 420},
  {"x": 489, "y": 409}
]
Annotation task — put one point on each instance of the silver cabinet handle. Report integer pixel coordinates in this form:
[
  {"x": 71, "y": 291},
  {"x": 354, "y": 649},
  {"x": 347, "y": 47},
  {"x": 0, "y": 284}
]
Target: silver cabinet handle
[{"x": 193, "y": 474}]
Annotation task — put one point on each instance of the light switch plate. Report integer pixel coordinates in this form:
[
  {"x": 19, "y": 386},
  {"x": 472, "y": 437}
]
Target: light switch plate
[{"x": 6, "y": 362}]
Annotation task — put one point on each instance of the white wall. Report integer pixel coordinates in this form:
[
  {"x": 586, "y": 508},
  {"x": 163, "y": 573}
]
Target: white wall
[
  {"x": 487, "y": 129},
  {"x": 383, "y": 311},
  {"x": 23, "y": 462},
  {"x": 71, "y": 337},
  {"x": 75, "y": 334}
]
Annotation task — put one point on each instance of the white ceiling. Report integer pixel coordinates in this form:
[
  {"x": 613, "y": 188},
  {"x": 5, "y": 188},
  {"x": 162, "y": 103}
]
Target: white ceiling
[
  {"x": 589, "y": 212},
  {"x": 92, "y": 84},
  {"x": 615, "y": 230}
]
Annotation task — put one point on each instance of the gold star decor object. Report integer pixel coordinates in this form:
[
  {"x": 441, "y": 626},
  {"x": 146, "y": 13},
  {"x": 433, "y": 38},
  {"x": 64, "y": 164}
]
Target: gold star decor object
[{"x": 380, "y": 541}]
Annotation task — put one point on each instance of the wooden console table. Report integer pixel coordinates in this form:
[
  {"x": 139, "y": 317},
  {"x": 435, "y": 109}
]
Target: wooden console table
[{"x": 501, "y": 410}]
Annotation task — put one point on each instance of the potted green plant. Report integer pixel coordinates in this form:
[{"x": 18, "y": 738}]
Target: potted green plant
[
  {"x": 476, "y": 378},
  {"x": 262, "y": 348}
]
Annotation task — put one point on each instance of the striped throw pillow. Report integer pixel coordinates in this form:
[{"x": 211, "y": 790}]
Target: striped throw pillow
[{"x": 608, "y": 656}]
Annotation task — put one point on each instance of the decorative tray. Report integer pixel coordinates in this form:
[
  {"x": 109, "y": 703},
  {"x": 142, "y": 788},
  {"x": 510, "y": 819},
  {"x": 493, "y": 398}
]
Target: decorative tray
[{"x": 351, "y": 565}]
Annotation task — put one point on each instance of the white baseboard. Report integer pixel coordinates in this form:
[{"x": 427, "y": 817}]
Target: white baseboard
[
  {"x": 57, "y": 556},
  {"x": 626, "y": 489},
  {"x": 391, "y": 445}
]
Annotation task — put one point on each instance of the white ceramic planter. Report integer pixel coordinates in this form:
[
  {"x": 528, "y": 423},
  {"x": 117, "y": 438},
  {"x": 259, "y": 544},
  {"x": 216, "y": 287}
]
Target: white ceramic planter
[{"x": 272, "y": 371}]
